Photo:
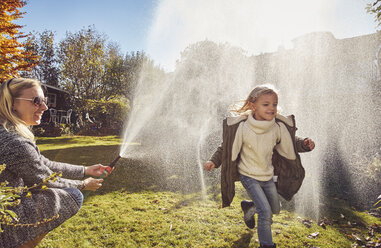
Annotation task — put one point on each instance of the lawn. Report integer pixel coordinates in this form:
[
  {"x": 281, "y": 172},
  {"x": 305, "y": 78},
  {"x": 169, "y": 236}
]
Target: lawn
[{"x": 140, "y": 207}]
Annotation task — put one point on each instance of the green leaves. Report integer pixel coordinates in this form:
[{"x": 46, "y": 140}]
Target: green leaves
[
  {"x": 10, "y": 198},
  {"x": 378, "y": 203},
  {"x": 375, "y": 8}
]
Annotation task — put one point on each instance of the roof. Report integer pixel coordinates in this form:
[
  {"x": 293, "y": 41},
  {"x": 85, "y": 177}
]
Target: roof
[{"x": 55, "y": 88}]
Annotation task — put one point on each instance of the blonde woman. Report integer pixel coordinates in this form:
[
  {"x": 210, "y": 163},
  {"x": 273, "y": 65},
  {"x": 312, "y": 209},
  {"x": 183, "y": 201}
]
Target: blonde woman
[{"x": 22, "y": 103}]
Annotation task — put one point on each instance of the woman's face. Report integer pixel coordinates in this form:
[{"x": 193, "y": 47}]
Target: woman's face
[{"x": 26, "y": 109}]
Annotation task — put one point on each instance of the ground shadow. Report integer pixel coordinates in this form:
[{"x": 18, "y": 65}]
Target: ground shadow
[
  {"x": 134, "y": 174},
  {"x": 144, "y": 174},
  {"x": 243, "y": 241}
]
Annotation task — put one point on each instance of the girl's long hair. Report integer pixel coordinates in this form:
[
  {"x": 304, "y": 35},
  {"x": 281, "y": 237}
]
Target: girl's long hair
[
  {"x": 10, "y": 90},
  {"x": 253, "y": 96}
]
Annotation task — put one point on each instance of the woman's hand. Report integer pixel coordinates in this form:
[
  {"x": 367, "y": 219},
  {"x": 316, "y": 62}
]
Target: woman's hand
[
  {"x": 309, "y": 143},
  {"x": 97, "y": 170},
  {"x": 92, "y": 184},
  {"x": 209, "y": 165}
]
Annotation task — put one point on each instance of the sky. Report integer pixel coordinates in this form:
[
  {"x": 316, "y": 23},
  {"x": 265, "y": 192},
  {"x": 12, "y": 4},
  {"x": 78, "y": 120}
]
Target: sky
[{"x": 164, "y": 28}]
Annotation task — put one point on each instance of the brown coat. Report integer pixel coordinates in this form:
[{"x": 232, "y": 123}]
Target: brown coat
[{"x": 290, "y": 172}]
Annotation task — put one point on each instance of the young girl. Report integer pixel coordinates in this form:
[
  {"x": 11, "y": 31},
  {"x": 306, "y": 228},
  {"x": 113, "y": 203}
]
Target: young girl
[{"x": 258, "y": 144}]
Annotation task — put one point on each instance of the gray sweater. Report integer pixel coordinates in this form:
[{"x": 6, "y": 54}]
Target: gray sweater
[{"x": 25, "y": 166}]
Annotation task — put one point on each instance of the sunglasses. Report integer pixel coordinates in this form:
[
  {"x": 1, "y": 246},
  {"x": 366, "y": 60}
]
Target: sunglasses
[{"x": 36, "y": 100}]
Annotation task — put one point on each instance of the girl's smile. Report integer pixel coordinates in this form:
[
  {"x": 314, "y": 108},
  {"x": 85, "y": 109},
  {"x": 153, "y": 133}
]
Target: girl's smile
[{"x": 265, "y": 107}]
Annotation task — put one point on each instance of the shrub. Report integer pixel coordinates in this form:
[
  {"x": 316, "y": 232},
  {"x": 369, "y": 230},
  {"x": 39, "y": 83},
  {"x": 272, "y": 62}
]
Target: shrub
[
  {"x": 109, "y": 114},
  {"x": 38, "y": 131},
  {"x": 10, "y": 197},
  {"x": 67, "y": 128},
  {"x": 48, "y": 130}
]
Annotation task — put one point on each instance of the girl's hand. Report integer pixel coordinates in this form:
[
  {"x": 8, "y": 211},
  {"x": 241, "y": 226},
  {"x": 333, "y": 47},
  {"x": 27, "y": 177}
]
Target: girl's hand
[
  {"x": 209, "y": 165},
  {"x": 97, "y": 170},
  {"x": 92, "y": 183},
  {"x": 309, "y": 143}
]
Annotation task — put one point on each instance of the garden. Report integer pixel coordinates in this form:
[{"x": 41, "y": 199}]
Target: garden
[
  {"x": 138, "y": 208},
  {"x": 166, "y": 125}
]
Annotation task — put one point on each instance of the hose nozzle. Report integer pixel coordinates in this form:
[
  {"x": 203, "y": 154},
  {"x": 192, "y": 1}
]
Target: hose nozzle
[{"x": 114, "y": 162}]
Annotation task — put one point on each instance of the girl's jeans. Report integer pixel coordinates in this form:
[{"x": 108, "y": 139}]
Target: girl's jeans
[{"x": 266, "y": 200}]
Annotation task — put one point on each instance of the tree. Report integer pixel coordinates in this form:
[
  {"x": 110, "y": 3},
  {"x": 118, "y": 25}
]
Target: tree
[
  {"x": 47, "y": 69},
  {"x": 92, "y": 69},
  {"x": 122, "y": 73},
  {"x": 115, "y": 73},
  {"x": 81, "y": 57},
  {"x": 135, "y": 62},
  {"x": 13, "y": 56},
  {"x": 375, "y": 8}
]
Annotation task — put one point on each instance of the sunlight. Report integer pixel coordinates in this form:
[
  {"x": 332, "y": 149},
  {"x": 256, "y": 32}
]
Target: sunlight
[{"x": 256, "y": 26}]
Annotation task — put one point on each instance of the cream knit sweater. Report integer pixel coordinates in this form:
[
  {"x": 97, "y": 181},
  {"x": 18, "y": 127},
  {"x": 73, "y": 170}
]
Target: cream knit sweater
[{"x": 255, "y": 141}]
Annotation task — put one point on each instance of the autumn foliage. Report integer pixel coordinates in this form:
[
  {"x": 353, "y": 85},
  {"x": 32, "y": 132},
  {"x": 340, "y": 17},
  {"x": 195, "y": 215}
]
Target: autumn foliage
[
  {"x": 13, "y": 56},
  {"x": 375, "y": 8}
]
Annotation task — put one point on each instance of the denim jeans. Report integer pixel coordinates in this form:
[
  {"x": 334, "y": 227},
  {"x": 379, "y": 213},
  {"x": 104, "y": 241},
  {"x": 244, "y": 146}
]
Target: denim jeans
[
  {"x": 266, "y": 200},
  {"x": 76, "y": 194}
]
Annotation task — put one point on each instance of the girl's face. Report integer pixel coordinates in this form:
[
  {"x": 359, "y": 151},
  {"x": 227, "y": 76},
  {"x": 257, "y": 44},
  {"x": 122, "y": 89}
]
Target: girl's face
[
  {"x": 265, "y": 107},
  {"x": 31, "y": 107}
]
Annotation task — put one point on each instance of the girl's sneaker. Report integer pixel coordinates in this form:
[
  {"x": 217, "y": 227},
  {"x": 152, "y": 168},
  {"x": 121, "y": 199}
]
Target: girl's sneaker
[{"x": 248, "y": 209}]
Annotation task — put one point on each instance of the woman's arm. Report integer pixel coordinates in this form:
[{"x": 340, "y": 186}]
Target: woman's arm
[
  {"x": 68, "y": 170},
  {"x": 24, "y": 160}
]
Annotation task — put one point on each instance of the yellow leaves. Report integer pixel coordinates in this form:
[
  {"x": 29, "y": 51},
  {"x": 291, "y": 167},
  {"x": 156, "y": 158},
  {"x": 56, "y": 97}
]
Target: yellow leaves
[
  {"x": 10, "y": 197},
  {"x": 2, "y": 167},
  {"x": 29, "y": 195},
  {"x": 11, "y": 4},
  {"x": 13, "y": 56}
]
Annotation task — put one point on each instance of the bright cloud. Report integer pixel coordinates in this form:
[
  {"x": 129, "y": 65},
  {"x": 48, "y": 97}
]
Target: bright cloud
[{"x": 254, "y": 25}]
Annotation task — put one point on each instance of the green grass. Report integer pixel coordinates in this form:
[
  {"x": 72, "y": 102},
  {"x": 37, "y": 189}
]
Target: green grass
[
  {"x": 139, "y": 207},
  {"x": 63, "y": 142}
]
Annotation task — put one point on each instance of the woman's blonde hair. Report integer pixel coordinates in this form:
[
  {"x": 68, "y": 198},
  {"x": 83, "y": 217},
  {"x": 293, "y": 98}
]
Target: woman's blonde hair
[
  {"x": 10, "y": 90},
  {"x": 254, "y": 95}
]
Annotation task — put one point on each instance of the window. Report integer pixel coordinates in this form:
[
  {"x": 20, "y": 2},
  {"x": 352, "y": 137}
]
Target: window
[{"x": 52, "y": 98}]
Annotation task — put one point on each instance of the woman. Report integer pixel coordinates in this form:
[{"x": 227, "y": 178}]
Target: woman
[{"x": 22, "y": 103}]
